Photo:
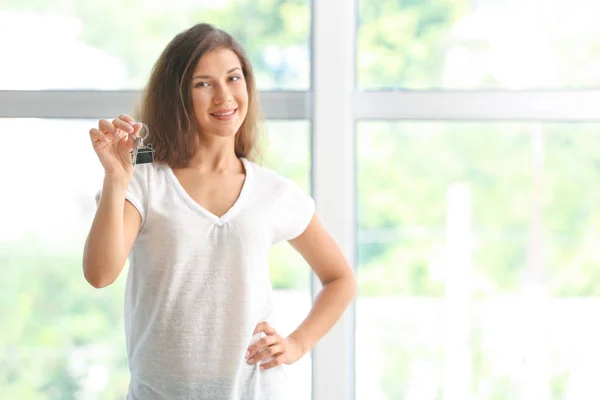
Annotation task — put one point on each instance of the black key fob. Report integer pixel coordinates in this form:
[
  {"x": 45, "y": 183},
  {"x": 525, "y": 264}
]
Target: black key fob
[
  {"x": 142, "y": 154},
  {"x": 145, "y": 155}
]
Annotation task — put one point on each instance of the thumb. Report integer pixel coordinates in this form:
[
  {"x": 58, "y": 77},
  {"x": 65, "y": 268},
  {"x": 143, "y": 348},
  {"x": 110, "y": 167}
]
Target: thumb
[
  {"x": 132, "y": 141},
  {"x": 126, "y": 145}
]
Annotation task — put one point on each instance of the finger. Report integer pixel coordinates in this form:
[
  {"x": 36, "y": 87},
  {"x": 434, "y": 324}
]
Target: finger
[
  {"x": 273, "y": 363},
  {"x": 137, "y": 127},
  {"x": 123, "y": 125},
  {"x": 141, "y": 132},
  {"x": 269, "y": 352},
  {"x": 261, "y": 344},
  {"x": 110, "y": 129},
  {"x": 98, "y": 136},
  {"x": 127, "y": 118},
  {"x": 127, "y": 142},
  {"x": 264, "y": 327},
  {"x": 132, "y": 142},
  {"x": 125, "y": 150},
  {"x": 107, "y": 127}
]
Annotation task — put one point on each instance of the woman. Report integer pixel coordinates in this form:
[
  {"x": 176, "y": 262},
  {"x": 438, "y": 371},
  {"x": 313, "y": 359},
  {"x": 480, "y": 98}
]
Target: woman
[{"x": 198, "y": 225}]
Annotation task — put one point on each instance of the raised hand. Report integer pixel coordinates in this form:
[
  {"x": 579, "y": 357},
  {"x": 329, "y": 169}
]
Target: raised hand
[{"x": 113, "y": 143}]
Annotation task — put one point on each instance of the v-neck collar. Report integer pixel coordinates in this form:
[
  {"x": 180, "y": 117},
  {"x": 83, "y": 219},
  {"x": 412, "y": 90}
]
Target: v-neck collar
[{"x": 232, "y": 212}]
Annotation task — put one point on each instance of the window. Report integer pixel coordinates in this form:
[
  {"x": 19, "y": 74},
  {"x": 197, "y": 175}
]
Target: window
[
  {"x": 476, "y": 259},
  {"x": 112, "y": 45},
  {"x": 484, "y": 44}
]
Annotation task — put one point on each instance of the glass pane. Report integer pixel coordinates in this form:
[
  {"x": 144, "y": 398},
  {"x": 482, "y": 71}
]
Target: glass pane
[
  {"x": 484, "y": 44},
  {"x": 477, "y": 260},
  {"x": 59, "y": 337},
  {"x": 111, "y": 44},
  {"x": 290, "y": 274}
]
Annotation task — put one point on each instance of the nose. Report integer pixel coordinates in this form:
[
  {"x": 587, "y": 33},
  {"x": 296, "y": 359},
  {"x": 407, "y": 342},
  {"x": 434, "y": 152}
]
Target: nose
[{"x": 222, "y": 95}]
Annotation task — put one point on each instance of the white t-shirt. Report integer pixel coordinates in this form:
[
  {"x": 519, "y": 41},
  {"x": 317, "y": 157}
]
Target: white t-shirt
[{"x": 198, "y": 285}]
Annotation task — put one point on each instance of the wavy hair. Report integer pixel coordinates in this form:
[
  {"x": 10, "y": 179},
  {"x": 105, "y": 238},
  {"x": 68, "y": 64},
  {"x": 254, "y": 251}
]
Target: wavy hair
[{"x": 166, "y": 105}]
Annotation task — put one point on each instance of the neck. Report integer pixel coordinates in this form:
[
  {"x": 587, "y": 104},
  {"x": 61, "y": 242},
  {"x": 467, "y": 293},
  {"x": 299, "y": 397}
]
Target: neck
[{"x": 214, "y": 155}]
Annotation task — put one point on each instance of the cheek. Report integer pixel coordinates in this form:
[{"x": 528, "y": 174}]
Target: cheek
[
  {"x": 243, "y": 102},
  {"x": 199, "y": 101},
  {"x": 242, "y": 95}
]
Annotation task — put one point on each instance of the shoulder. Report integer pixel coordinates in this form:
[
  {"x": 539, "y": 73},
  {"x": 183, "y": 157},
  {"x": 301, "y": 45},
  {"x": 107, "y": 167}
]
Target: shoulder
[
  {"x": 147, "y": 178},
  {"x": 276, "y": 187},
  {"x": 146, "y": 173},
  {"x": 291, "y": 208},
  {"x": 268, "y": 178}
]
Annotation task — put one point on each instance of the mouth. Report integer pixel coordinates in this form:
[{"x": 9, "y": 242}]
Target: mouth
[{"x": 224, "y": 114}]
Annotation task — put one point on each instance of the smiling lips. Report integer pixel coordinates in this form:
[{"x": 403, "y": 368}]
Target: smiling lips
[{"x": 224, "y": 115}]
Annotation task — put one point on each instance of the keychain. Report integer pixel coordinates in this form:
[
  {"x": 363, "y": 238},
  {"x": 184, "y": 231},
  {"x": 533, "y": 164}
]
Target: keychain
[{"x": 142, "y": 154}]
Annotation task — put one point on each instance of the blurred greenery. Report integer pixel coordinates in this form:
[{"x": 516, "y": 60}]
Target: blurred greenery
[
  {"x": 405, "y": 173},
  {"x": 58, "y": 328},
  {"x": 288, "y": 269},
  {"x": 274, "y": 33},
  {"x": 61, "y": 339},
  {"x": 465, "y": 44},
  {"x": 404, "y": 224}
]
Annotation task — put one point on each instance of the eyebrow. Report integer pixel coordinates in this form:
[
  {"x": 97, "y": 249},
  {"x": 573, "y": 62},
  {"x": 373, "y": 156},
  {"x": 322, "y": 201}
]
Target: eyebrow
[{"x": 209, "y": 77}]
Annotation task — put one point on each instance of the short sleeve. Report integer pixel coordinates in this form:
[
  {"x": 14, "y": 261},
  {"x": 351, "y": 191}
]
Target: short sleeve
[
  {"x": 295, "y": 211},
  {"x": 136, "y": 191}
]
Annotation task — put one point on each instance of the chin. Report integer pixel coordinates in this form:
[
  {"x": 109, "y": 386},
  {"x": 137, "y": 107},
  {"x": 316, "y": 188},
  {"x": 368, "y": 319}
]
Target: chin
[
  {"x": 224, "y": 133},
  {"x": 220, "y": 131}
]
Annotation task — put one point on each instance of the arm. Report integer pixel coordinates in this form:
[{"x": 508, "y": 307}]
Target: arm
[
  {"x": 113, "y": 232},
  {"x": 326, "y": 259},
  {"x": 117, "y": 222}
]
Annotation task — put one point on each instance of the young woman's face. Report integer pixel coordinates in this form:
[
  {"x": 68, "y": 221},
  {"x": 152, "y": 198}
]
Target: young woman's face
[{"x": 219, "y": 93}]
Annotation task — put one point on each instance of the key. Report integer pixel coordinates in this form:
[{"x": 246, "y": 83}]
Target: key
[
  {"x": 145, "y": 155},
  {"x": 142, "y": 154}
]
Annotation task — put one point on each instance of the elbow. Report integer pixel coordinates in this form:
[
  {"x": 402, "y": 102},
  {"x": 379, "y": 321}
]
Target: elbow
[
  {"x": 96, "y": 272},
  {"x": 95, "y": 279},
  {"x": 347, "y": 284},
  {"x": 353, "y": 284},
  {"x": 97, "y": 282}
]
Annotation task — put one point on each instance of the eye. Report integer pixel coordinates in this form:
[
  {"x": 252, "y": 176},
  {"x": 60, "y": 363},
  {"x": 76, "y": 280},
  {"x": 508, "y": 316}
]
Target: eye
[
  {"x": 201, "y": 84},
  {"x": 235, "y": 78}
]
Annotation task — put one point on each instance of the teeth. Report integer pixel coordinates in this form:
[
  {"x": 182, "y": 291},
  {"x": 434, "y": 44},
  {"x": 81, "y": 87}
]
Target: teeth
[{"x": 224, "y": 114}]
